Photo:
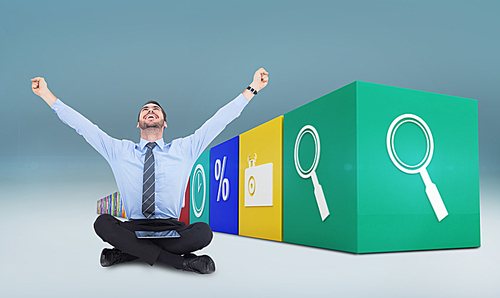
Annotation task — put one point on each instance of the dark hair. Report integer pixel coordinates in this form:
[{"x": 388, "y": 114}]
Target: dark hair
[{"x": 156, "y": 103}]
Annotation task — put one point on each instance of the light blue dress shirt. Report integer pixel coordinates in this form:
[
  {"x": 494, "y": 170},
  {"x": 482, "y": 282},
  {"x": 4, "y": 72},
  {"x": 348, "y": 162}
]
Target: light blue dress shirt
[{"x": 173, "y": 161}]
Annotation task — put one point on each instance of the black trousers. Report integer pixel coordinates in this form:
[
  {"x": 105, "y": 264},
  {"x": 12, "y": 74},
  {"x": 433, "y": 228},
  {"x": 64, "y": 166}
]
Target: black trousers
[{"x": 121, "y": 235}]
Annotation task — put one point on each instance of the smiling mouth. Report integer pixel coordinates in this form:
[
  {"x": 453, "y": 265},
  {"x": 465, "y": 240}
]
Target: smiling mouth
[{"x": 150, "y": 116}]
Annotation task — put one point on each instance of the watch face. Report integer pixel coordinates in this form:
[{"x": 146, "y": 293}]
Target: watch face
[{"x": 198, "y": 190}]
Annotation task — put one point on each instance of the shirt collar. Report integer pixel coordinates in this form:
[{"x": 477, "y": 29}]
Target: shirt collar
[{"x": 160, "y": 143}]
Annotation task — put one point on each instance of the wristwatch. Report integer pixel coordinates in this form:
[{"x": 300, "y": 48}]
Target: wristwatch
[{"x": 252, "y": 90}]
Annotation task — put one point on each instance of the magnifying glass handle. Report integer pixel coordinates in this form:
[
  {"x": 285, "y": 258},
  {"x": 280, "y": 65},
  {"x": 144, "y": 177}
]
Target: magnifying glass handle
[
  {"x": 434, "y": 196},
  {"x": 320, "y": 197},
  {"x": 436, "y": 201}
]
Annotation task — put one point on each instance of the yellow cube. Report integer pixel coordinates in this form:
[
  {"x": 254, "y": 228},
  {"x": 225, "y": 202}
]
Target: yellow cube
[{"x": 261, "y": 174}]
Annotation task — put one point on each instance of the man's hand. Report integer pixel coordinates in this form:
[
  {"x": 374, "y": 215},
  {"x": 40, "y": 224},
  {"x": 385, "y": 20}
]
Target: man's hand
[
  {"x": 260, "y": 79},
  {"x": 39, "y": 87}
]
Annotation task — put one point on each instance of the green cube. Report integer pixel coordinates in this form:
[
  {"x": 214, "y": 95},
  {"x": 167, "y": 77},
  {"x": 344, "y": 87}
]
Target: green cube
[{"x": 372, "y": 168}]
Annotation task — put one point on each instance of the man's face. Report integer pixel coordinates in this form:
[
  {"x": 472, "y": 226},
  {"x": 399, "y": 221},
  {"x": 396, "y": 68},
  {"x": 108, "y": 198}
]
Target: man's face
[{"x": 151, "y": 116}]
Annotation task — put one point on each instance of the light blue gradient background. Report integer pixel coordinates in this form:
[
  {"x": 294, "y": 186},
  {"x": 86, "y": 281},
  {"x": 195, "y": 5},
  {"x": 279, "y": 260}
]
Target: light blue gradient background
[{"x": 107, "y": 59}]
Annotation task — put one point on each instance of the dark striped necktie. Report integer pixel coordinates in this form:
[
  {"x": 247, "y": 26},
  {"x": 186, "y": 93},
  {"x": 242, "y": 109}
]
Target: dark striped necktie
[{"x": 148, "y": 186}]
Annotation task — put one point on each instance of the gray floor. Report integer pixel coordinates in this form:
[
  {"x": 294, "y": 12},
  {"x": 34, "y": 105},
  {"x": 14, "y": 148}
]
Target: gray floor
[{"x": 54, "y": 253}]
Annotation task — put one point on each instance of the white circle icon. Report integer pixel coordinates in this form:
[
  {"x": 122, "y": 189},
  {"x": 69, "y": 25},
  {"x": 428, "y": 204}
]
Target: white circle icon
[
  {"x": 311, "y": 130},
  {"x": 410, "y": 169},
  {"x": 199, "y": 171}
]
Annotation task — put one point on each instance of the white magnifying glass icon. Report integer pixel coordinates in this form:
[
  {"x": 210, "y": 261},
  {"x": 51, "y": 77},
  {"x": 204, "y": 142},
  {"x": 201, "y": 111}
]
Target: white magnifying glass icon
[
  {"x": 421, "y": 168},
  {"x": 311, "y": 172}
]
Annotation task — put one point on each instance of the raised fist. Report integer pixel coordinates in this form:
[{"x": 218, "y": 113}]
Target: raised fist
[
  {"x": 39, "y": 86},
  {"x": 260, "y": 79}
]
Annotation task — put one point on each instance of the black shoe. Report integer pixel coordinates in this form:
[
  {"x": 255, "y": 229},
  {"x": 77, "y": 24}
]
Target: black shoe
[
  {"x": 114, "y": 256},
  {"x": 199, "y": 264}
]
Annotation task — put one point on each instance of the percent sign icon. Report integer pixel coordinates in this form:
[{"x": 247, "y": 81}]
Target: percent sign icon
[{"x": 220, "y": 170}]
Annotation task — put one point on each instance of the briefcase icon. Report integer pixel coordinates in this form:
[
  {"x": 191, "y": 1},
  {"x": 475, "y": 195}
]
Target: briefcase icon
[{"x": 258, "y": 184}]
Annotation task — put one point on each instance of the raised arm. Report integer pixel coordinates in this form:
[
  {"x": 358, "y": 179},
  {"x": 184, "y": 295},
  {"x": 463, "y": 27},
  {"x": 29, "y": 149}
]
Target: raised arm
[
  {"x": 215, "y": 125},
  {"x": 107, "y": 146},
  {"x": 39, "y": 87}
]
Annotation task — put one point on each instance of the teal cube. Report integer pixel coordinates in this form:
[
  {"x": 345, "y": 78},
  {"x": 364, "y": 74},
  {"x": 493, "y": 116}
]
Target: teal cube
[
  {"x": 199, "y": 192},
  {"x": 372, "y": 168}
]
